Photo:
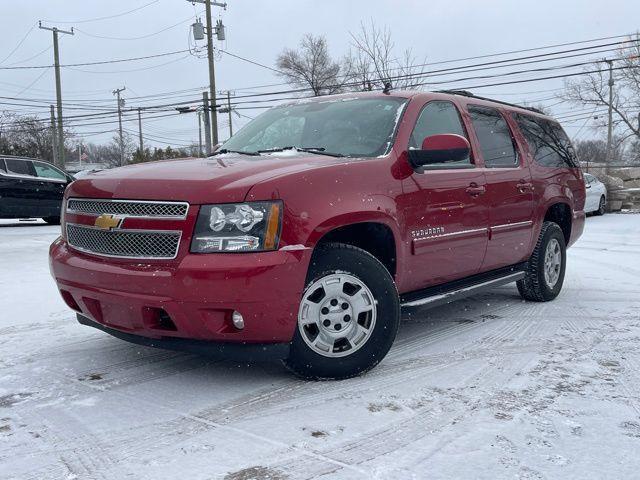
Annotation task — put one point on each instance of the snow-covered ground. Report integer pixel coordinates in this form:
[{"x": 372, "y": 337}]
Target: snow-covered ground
[{"x": 489, "y": 387}]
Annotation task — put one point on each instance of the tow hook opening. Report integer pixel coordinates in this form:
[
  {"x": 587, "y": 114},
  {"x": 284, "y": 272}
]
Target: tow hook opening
[
  {"x": 158, "y": 319},
  {"x": 70, "y": 301}
]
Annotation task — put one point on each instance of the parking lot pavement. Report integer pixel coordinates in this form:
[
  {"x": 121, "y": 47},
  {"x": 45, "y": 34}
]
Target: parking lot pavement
[{"x": 489, "y": 387}]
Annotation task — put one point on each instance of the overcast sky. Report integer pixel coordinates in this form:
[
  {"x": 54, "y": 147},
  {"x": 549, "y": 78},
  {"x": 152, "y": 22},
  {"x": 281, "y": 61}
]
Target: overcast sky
[{"x": 436, "y": 30}]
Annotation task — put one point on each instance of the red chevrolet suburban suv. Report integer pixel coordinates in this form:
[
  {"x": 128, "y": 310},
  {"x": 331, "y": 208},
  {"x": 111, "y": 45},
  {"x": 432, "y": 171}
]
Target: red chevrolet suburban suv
[{"x": 308, "y": 232}]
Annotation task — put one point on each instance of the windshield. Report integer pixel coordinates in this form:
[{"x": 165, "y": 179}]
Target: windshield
[{"x": 353, "y": 127}]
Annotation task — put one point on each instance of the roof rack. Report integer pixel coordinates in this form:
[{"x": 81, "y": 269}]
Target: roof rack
[{"x": 466, "y": 93}]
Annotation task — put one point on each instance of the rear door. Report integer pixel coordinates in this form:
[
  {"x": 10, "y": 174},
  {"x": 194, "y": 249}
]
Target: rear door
[
  {"x": 19, "y": 188},
  {"x": 443, "y": 205},
  {"x": 509, "y": 189}
]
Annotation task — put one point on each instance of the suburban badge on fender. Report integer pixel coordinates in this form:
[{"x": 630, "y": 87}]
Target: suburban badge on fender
[{"x": 108, "y": 222}]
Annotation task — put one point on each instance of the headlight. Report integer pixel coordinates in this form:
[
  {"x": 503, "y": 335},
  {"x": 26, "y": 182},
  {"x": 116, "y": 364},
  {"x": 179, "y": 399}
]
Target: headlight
[{"x": 243, "y": 227}]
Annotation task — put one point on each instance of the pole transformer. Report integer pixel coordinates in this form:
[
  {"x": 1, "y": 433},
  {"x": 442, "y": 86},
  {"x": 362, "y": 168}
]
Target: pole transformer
[
  {"x": 56, "y": 62},
  {"x": 117, "y": 93}
]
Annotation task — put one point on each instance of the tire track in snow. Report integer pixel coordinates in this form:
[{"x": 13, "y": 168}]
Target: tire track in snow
[{"x": 396, "y": 435}]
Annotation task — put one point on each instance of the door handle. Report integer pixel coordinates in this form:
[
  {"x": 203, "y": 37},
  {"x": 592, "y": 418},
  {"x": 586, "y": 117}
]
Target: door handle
[
  {"x": 475, "y": 190},
  {"x": 524, "y": 187}
]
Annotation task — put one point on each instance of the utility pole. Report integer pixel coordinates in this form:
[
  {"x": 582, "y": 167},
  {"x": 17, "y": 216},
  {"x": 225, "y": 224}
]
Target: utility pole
[
  {"x": 230, "y": 119},
  {"x": 54, "y": 135},
  {"x": 199, "y": 133},
  {"x": 610, "y": 126},
  {"x": 219, "y": 30},
  {"x": 207, "y": 128},
  {"x": 56, "y": 62},
  {"x": 117, "y": 93},
  {"x": 140, "y": 132}
]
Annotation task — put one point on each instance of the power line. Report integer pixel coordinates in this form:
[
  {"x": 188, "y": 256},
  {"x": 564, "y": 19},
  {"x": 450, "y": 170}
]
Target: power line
[
  {"x": 102, "y": 62},
  {"x": 19, "y": 44},
  {"x": 107, "y": 17},
  {"x": 141, "y": 37}
]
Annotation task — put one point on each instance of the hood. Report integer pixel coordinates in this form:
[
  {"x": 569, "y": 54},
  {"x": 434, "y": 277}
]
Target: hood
[{"x": 220, "y": 179}]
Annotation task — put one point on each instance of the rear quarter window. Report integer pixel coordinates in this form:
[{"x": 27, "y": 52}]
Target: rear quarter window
[
  {"x": 548, "y": 143},
  {"x": 3, "y": 167},
  {"x": 19, "y": 167}
]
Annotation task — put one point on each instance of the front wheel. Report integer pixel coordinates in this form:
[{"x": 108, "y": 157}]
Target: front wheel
[
  {"x": 544, "y": 275},
  {"x": 348, "y": 316}
]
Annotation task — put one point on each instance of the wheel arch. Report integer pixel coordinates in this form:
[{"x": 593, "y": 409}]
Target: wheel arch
[
  {"x": 559, "y": 211},
  {"x": 374, "y": 234}
]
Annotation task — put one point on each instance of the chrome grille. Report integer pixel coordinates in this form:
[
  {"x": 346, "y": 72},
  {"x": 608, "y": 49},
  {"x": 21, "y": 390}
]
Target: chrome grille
[
  {"x": 129, "y": 208},
  {"x": 143, "y": 244}
]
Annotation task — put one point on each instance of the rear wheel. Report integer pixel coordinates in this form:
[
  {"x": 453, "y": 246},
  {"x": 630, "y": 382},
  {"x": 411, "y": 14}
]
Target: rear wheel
[
  {"x": 544, "y": 275},
  {"x": 602, "y": 206},
  {"x": 52, "y": 220},
  {"x": 348, "y": 316}
]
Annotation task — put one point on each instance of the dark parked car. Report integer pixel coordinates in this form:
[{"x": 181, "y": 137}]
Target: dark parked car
[{"x": 31, "y": 188}]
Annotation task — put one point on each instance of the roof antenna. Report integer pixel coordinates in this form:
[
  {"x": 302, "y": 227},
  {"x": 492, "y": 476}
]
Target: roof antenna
[{"x": 387, "y": 88}]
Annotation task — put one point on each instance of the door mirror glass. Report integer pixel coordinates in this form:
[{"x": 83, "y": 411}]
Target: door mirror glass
[{"x": 440, "y": 149}]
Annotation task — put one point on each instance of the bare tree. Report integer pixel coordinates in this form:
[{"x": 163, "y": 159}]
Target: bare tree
[
  {"x": 311, "y": 66},
  {"x": 592, "y": 89},
  {"x": 374, "y": 63},
  {"x": 26, "y": 136}
]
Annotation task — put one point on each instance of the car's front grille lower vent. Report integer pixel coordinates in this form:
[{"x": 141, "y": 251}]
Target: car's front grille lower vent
[
  {"x": 128, "y": 208},
  {"x": 142, "y": 244}
]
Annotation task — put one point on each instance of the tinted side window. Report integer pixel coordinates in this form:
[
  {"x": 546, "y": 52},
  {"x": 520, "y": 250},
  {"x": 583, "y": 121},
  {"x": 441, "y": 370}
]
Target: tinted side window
[
  {"x": 548, "y": 143},
  {"x": 494, "y": 136},
  {"x": 437, "y": 118},
  {"x": 3, "y": 168},
  {"x": 19, "y": 167},
  {"x": 44, "y": 170}
]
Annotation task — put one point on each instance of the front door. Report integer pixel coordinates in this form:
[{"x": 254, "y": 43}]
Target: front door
[
  {"x": 444, "y": 207},
  {"x": 52, "y": 184},
  {"x": 509, "y": 189}
]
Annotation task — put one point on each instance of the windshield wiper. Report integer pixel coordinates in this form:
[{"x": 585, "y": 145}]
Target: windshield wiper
[
  {"x": 316, "y": 150},
  {"x": 224, "y": 150}
]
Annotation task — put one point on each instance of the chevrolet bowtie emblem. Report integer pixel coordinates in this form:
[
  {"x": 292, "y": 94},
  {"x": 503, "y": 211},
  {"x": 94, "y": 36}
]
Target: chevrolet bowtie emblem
[{"x": 108, "y": 222}]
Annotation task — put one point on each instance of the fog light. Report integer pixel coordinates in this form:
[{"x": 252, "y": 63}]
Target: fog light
[{"x": 238, "y": 321}]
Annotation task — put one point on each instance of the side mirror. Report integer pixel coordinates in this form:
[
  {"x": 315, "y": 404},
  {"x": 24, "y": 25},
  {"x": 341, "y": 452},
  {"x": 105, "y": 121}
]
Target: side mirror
[{"x": 438, "y": 149}]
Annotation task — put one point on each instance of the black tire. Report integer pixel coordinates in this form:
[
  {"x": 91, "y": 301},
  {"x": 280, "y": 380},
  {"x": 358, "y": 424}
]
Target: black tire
[
  {"x": 335, "y": 258},
  {"x": 602, "y": 206},
  {"x": 534, "y": 286},
  {"x": 52, "y": 220}
]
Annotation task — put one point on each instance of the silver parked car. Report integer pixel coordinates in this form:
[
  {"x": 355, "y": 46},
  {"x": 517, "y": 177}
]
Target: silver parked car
[{"x": 596, "y": 201}]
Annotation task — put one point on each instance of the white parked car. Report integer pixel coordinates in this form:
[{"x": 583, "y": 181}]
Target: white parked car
[{"x": 596, "y": 195}]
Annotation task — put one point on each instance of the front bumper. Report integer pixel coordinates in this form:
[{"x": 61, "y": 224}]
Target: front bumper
[
  {"x": 241, "y": 352},
  {"x": 196, "y": 293}
]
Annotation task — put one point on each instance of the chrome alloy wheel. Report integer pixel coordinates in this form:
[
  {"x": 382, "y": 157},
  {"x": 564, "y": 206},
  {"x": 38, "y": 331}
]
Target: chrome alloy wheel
[
  {"x": 552, "y": 263},
  {"x": 337, "y": 315}
]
